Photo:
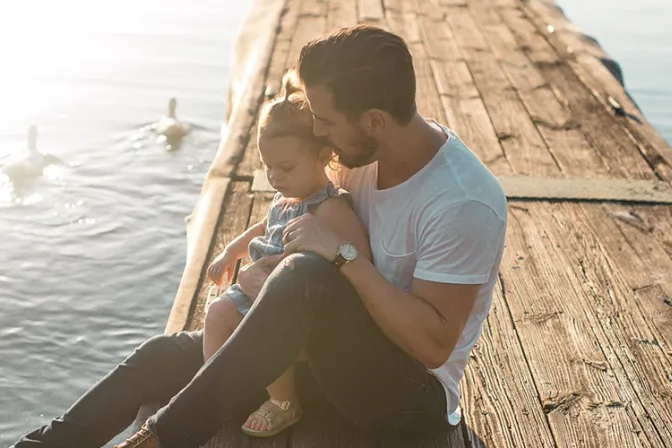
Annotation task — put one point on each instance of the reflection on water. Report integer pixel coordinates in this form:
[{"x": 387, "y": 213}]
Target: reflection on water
[{"x": 92, "y": 249}]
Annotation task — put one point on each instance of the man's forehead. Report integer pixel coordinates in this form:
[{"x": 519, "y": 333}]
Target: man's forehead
[{"x": 318, "y": 98}]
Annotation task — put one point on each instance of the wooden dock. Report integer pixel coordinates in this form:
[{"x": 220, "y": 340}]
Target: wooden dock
[{"x": 577, "y": 350}]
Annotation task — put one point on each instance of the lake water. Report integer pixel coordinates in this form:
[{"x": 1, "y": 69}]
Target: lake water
[{"x": 91, "y": 254}]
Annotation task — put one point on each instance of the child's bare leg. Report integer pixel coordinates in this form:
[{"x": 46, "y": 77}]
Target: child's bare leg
[
  {"x": 282, "y": 389},
  {"x": 221, "y": 320}
]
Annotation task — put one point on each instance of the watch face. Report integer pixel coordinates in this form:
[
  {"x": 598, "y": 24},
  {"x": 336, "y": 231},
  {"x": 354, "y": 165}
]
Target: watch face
[{"x": 348, "y": 251}]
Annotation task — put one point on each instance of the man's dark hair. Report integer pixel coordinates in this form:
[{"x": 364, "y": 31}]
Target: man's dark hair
[{"x": 363, "y": 67}]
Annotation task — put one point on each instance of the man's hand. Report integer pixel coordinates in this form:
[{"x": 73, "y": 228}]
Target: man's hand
[
  {"x": 306, "y": 234},
  {"x": 252, "y": 277}
]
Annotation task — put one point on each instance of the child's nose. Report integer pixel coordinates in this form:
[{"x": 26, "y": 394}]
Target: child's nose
[{"x": 275, "y": 176}]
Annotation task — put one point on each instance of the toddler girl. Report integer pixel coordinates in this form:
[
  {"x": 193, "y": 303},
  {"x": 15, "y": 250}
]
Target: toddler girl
[{"x": 295, "y": 162}]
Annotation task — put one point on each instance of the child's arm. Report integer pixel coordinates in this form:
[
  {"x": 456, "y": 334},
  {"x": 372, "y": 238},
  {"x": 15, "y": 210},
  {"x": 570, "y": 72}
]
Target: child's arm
[
  {"x": 224, "y": 264},
  {"x": 237, "y": 248}
]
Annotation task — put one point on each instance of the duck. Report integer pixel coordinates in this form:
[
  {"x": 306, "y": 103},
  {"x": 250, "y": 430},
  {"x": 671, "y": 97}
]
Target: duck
[
  {"x": 29, "y": 162},
  {"x": 169, "y": 126}
]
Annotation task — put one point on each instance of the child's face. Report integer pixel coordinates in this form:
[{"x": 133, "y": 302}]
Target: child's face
[{"x": 292, "y": 167}]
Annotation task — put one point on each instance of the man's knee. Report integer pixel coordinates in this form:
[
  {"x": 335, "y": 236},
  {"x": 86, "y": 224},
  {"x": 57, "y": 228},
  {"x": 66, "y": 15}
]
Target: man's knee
[
  {"x": 306, "y": 264},
  {"x": 164, "y": 349},
  {"x": 307, "y": 278}
]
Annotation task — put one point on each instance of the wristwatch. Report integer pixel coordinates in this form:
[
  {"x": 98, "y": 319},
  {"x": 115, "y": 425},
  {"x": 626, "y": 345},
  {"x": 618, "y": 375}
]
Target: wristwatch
[{"x": 346, "y": 253}]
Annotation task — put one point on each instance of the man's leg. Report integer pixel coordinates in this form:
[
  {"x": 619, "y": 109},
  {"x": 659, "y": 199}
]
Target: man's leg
[
  {"x": 303, "y": 301},
  {"x": 370, "y": 380},
  {"x": 154, "y": 372}
]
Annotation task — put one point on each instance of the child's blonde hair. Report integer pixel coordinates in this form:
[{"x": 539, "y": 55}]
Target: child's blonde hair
[{"x": 288, "y": 115}]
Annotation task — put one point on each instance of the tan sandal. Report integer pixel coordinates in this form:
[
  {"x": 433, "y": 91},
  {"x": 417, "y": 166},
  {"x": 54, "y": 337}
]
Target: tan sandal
[{"x": 276, "y": 423}]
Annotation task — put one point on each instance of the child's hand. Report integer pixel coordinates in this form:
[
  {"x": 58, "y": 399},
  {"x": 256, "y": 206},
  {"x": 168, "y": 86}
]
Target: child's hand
[{"x": 221, "y": 267}]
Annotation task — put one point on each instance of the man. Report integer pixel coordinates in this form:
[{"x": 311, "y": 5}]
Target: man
[{"x": 388, "y": 343}]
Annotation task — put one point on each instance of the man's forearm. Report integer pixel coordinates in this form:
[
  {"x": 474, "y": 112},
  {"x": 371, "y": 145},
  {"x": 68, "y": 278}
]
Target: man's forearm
[{"x": 407, "y": 320}]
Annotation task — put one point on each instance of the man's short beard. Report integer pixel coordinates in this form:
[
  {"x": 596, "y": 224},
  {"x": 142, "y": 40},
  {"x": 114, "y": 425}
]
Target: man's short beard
[{"x": 365, "y": 146}]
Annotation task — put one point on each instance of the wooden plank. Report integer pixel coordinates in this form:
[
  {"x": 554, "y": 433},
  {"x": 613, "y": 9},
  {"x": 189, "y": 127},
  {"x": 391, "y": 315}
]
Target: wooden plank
[
  {"x": 578, "y": 388},
  {"x": 584, "y": 58},
  {"x": 645, "y": 403},
  {"x": 501, "y": 402},
  {"x": 554, "y": 120},
  {"x": 312, "y": 23},
  {"x": 621, "y": 190},
  {"x": 427, "y": 93},
  {"x": 250, "y": 160},
  {"x": 403, "y": 22},
  {"x": 656, "y": 304},
  {"x": 401, "y": 18},
  {"x": 370, "y": 11},
  {"x": 233, "y": 221},
  {"x": 641, "y": 367},
  {"x": 598, "y": 127},
  {"x": 341, "y": 13},
  {"x": 523, "y": 146},
  {"x": 639, "y": 268},
  {"x": 524, "y": 187},
  {"x": 260, "y": 205},
  {"x": 277, "y": 68},
  {"x": 660, "y": 220},
  {"x": 282, "y": 46},
  {"x": 464, "y": 108}
]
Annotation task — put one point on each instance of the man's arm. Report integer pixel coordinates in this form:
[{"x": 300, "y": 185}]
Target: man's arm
[
  {"x": 455, "y": 256},
  {"x": 337, "y": 215},
  {"x": 427, "y": 323}
]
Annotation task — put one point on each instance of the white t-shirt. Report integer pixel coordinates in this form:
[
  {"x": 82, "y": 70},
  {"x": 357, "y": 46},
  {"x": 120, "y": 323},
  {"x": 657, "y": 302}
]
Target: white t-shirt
[{"x": 446, "y": 224}]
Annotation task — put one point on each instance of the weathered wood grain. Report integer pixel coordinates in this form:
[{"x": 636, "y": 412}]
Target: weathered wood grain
[
  {"x": 341, "y": 13},
  {"x": 585, "y": 56},
  {"x": 576, "y": 381},
  {"x": 554, "y": 120},
  {"x": 641, "y": 367},
  {"x": 462, "y": 103},
  {"x": 233, "y": 221},
  {"x": 500, "y": 398},
  {"x": 370, "y": 11},
  {"x": 599, "y": 128},
  {"x": 525, "y": 149}
]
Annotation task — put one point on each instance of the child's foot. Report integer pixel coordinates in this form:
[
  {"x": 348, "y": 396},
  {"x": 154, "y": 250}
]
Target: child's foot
[{"x": 272, "y": 417}]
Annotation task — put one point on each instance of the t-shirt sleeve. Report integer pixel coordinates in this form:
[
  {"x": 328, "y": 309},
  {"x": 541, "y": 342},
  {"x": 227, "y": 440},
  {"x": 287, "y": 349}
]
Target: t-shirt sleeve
[{"x": 459, "y": 244}]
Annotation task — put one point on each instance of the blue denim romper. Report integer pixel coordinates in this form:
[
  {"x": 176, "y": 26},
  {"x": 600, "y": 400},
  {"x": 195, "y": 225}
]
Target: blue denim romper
[{"x": 279, "y": 214}]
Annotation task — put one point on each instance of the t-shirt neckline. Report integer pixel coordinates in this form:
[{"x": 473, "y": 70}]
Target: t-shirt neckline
[{"x": 418, "y": 173}]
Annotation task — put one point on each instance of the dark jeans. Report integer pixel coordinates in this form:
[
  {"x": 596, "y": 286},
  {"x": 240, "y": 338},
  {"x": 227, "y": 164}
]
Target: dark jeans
[{"x": 305, "y": 303}]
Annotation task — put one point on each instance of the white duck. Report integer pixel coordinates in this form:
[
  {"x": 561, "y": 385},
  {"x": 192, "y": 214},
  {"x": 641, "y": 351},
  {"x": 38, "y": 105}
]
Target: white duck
[
  {"x": 27, "y": 163},
  {"x": 170, "y": 126}
]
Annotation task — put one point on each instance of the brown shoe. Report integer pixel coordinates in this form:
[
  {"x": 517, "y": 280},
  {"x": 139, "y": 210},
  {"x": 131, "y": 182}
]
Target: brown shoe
[{"x": 141, "y": 439}]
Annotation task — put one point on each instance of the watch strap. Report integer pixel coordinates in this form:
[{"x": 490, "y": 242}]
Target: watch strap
[{"x": 339, "y": 260}]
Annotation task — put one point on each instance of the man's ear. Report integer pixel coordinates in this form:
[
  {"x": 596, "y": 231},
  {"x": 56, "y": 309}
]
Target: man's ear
[{"x": 377, "y": 120}]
